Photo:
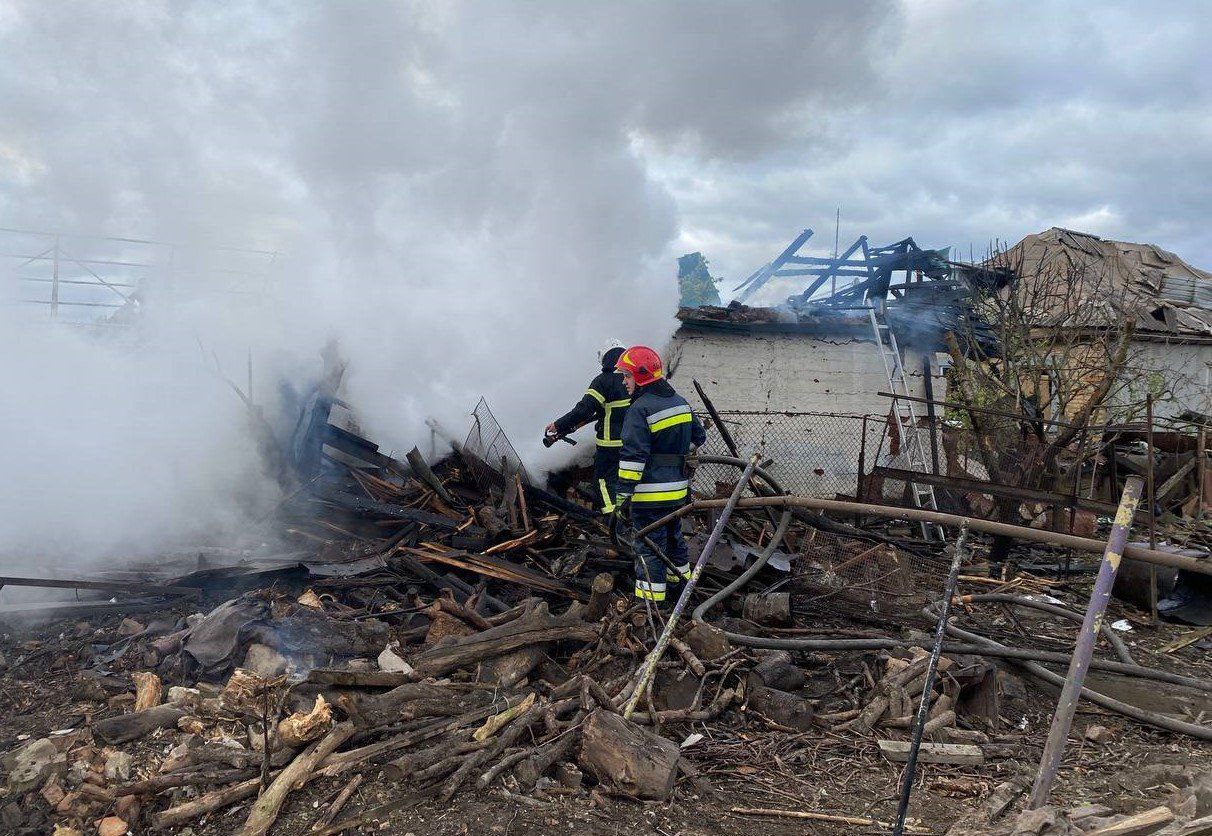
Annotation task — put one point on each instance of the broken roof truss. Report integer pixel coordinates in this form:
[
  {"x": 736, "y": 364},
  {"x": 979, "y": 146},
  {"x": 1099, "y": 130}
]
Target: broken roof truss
[{"x": 868, "y": 270}]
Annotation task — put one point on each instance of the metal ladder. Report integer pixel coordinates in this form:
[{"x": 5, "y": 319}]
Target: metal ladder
[{"x": 906, "y": 418}]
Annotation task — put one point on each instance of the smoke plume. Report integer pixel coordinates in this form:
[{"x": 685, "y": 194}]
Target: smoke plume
[{"x": 460, "y": 195}]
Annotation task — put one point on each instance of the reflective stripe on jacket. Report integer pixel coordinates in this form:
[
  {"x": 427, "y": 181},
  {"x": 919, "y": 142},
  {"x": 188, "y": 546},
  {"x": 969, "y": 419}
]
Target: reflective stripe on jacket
[
  {"x": 657, "y": 434},
  {"x": 605, "y": 403}
]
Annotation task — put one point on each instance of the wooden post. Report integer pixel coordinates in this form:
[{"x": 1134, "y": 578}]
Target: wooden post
[
  {"x": 1150, "y": 489},
  {"x": 1054, "y": 749}
]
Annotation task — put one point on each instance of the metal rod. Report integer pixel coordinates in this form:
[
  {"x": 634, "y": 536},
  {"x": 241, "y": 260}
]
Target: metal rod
[
  {"x": 897, "y": 512},
  {"x": 663, "y": 641},
  {"x": 1201, "y": 466},
  {"x": 1054, "y": 749},
  {"x": 923, "y": 710},
  {"x": 1150, "y": 487},
  {"x": 725, "y": 435}
]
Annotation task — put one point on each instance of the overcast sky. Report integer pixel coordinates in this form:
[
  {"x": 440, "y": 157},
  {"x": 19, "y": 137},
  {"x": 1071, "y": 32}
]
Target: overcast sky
[
  {"x": 471, "y": 196},
  {"x": 738, "y": 123}
]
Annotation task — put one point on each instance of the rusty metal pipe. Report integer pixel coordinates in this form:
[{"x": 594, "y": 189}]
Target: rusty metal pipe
[
  {"x": 1062, "y": 719},
  {"x": 1051, "y": 538}
]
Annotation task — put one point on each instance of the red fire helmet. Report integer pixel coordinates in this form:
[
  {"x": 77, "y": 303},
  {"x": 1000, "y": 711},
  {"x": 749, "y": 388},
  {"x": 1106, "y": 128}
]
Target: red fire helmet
[{"x": 642, "y": 363}]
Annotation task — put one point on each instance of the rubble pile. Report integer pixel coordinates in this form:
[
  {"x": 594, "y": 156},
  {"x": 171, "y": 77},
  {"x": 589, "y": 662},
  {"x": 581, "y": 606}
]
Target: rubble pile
[{"x": 446, "y": 637}]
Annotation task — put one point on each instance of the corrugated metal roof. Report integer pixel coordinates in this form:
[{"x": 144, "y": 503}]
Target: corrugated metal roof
[
  {"x": 1187, "y": 290},
  {"x": 1152, "y": 286}
]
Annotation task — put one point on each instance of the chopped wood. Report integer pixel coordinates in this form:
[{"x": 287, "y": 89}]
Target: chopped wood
[
  {"x": 338, "y": 803},
  {"x": 599, "y": 596},
  {"x": 630, "y": 760},
  {"x": 958, "y": 754},
  {"x": 126, "y": 727},
  {"x": 149, "y": 690},
  {"x": 265, "y": 811},
  {"x": 1139, "y": 825},
  {"x": 301, "y": 727}
]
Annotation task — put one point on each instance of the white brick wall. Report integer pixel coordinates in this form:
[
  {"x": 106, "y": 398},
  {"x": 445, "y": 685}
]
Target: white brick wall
[
  {"x": 788, "y": 372},
  {"x": 796, "y": 373}
]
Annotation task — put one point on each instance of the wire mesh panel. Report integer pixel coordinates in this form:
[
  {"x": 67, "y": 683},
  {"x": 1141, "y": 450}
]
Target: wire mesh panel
[
  {"x": 492, "y": 456},
  {"x": 811, "y": 453}
]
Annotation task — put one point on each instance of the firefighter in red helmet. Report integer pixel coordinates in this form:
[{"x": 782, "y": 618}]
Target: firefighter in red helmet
[{"x": 658, "y": 433}]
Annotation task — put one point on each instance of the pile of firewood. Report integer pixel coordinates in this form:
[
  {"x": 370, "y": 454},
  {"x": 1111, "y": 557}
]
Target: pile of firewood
[
  {"x": 480, "y": 700},
  {"x": 897, "y": 696}
]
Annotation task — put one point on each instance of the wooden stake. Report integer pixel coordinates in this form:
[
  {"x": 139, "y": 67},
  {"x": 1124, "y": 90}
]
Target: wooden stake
[{"x": 857, "y": 821}]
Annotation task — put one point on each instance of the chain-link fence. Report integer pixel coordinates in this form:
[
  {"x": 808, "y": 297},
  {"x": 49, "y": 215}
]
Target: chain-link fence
[{"x": 811, "y": 453}]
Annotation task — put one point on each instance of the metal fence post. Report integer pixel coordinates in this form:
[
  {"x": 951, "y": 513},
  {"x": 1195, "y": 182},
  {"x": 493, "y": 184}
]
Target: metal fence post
[{"x": 1080, "y": 663}]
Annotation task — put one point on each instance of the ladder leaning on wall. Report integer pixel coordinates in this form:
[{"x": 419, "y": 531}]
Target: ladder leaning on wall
[{"x": 906, "y": 419}]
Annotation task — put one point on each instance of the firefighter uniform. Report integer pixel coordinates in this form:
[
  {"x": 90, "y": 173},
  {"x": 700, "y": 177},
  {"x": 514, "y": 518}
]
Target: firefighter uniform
[
  {"x": 605, "y": 403},
  {"x": 657, "y": 435}
]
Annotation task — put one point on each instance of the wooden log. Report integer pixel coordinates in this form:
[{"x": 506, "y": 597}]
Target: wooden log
[
  {"x": 950, "y": 753},
  {"x": 937, "y": 725},
  {"x": 600, "y": 594},
  {"x": 768, "y": 609},
  {"x": 942, "y": 705},
  {"x": 954, "y": 735},
  {"x": 856, "y": 821},
  {"x": 537, "y": 627},
  {"x": 786, "y": 709},
  {"x": 1139, "y": 825},
  {"x": 707, "y": 641},
  {"x": 871, "y": 714},
  {"x": 265, "y": 811},
  {"x": 530, "y": 770},
  {"x": 510, "y": 669},
  {"x": 358, "y": 679},
  {"x": 208, "y": 803},
  {"x": 126, "y": 727},
  {"x": 160, "y": 783},
  {"x": 776, "y": 670},
  {"x": 628, "y": 759},
  {"x": 407, "y": 766},
  {"x": 382, "y": 709},
  {"x": 338, "y": 803}
]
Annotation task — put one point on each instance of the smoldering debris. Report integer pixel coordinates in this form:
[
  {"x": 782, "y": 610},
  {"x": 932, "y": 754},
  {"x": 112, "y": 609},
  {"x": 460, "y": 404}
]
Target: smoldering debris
[{"x": 454, "y": 632}]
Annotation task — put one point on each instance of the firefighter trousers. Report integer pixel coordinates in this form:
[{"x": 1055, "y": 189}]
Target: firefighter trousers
[{"x": 653, "y": 576}]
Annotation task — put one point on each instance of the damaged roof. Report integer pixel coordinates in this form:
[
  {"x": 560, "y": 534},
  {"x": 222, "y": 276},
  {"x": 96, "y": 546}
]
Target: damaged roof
[{"x": 1160, "y": 291}]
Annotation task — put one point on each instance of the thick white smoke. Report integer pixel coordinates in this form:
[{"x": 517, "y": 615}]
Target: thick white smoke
[{"x": 460, "y": 192}]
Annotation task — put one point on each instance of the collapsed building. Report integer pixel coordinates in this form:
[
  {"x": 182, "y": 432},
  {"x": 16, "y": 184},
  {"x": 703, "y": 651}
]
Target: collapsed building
[{"x": 436, "y": 644}]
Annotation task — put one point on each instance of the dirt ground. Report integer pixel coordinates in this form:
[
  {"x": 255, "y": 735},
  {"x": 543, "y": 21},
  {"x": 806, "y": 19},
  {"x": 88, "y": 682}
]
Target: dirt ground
[{"x": 742, "y": 760}]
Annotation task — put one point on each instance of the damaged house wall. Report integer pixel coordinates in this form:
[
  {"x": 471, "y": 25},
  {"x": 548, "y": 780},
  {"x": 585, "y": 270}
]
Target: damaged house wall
[
  {"x": 813, "y": 381},
  {"x": 790, "y": 372},
  {"x": 1079, "y": 286}
]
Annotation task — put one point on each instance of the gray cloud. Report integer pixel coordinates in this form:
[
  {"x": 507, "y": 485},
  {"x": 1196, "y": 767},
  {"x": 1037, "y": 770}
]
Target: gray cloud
[{"x": 987, "y": 121}]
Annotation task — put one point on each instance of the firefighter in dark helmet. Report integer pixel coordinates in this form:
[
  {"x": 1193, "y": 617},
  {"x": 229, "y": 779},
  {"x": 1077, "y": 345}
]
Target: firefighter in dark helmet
[{"x": 604, "y": 404}]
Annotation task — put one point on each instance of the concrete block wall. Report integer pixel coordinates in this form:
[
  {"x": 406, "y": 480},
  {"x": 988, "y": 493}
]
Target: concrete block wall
[
  {"x": 801, "y": 374},
  {"x": 788, "y": 372}
]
